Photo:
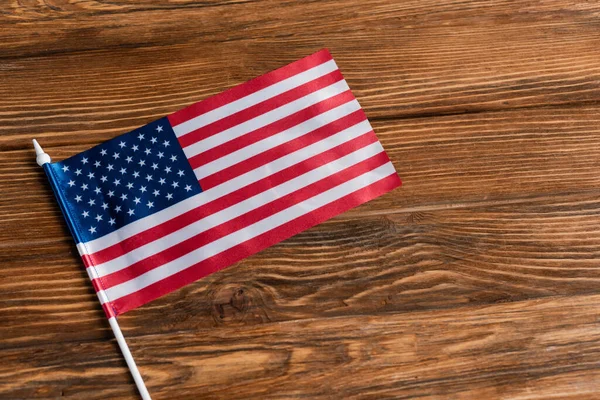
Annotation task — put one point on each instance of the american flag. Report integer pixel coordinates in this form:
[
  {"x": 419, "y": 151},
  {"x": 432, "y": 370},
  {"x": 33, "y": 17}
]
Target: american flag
[{"x": 189, "y": 194}]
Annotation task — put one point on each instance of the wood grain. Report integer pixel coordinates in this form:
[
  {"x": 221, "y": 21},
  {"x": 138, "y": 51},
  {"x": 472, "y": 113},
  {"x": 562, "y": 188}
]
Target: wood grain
[
  {"x": 445, "y": 161},
  {"x": 104, "y": 72},
  {"x": 399, "y": 262},
  {"x": 524, "y": 350},
  {"x": 476, "y": 279}
]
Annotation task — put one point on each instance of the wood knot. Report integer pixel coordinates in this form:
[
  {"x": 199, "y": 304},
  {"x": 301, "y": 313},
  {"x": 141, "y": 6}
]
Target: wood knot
[
  {"x": 230, "y": 302},
  {"x": 239, "y": 303}
]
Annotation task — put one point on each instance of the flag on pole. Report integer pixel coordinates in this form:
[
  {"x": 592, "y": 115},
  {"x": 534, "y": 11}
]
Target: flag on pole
[{"x": 189, "y": 194}]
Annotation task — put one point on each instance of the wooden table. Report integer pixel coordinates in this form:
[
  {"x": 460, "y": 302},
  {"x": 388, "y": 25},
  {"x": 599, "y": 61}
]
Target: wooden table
[{"x": 479, "y": 278}]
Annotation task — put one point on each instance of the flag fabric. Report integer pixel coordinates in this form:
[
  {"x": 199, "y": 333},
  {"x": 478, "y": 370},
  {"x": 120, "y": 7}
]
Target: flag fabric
[{"x": 189, "y": 194}]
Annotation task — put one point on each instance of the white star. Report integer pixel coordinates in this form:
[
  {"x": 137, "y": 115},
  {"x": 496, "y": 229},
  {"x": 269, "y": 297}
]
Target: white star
[
  {"x": 175, "y": 184},
  {"x": 85, "y": 214},
  {"x": 90, "y": 175},
  {"x": 116, "y": 155},
  {"x": 134, "y": 147},
  {"x": 142, "y": 163},
  {"x": 136, "y": 174},
  {"x": 123, "y": 196},
  {"x": 162, "y": 181},
  {"x": 117, "y": 182},
  {"x": 118, "y": 209},
  {"x": 103, "y": 152},
  {"x": 130, "y": 212},
  {"x": 159, "y": 128},
  {"x": 78, "y": 172},
  {"x": 154, "y": 166},
  {"x": 166, "y": 143},
  {"x": 136, "y": 200},
  {"x": 169, "y": 196},
  {"x": 156, "y": 192},
  {"x": 173, "y": 158},
  {"x": 143, "y": 189},
  {"x": 129, "y": 159},
  {"x": 84, "y": 160},
  {"x": 111, "y": 193},
  {"x": 92, "y": 229},
  {"x": 153, "y": 140},
  {"x": 141, "y": 136},
  {"x": 122, "y": 171},
  {"x": 130, "y": 185},
  {"x": 103, "y": 178},
  {"x": 98, "y": 217},
  {"x": 71, "y": 183},
  {"x": 110, "y": 167},
  {"x": 150, "y": 204},
  {"x": 188, "y": 188},
  {"x": 65, "y": 168},
  {"x": 147, "y": 151},
  {"x": 104, "y": 206},
  {"x": 97, "y": 164},
  {"x": 84, "y": 186},
  {"x": 160, "y": 154},
  {"x": 122, "y": 144},
  {"x": 168, "y": 169},
  {"x": 97, "y": 190},
  {"x": 180, "y": 173},
  {"x": 78, "y": 198},
  {"x": 148, "y": 178},
  {"x": 111, "y": 221},
  {"x": 92, "y": 202}
]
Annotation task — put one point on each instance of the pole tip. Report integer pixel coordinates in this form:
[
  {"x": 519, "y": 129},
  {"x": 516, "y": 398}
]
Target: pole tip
[{"x": 41, "y": 157}]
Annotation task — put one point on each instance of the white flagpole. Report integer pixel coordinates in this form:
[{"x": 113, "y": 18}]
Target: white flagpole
[
  {"x": 43, "y": 158},
  {"x": 139, "y": 382}
]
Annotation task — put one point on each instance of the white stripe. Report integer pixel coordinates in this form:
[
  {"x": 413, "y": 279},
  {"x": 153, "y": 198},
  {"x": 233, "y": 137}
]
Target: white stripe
[
  {"x": 265, "y": 118},
  {"x": 251, "y": 231},
  {"x": 277, "y": 139},
  {"x": 93, "y": 275},
  {"x": 236, "y": 210},
  {"x": 101, "y": 294},
  {"x": 254, "y": 98},
  {"x": 219, "y": 191}
]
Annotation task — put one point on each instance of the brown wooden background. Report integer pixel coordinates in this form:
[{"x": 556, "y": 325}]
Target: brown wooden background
[{"x": 479, "y": 278}]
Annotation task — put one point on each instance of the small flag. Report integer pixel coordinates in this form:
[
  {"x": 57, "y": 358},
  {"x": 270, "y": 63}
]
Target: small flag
[{"x": 189, "y": 194}]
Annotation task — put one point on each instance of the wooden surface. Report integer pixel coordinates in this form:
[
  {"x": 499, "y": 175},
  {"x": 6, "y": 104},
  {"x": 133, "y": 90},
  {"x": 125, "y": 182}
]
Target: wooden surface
[{"x": 478, "y": 279}]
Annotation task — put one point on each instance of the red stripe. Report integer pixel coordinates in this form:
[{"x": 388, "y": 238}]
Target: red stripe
[
  {"x": 260, "y": 108},
  {"x": 254, "y": 245},
  {"x": 108, "y": 310},
  {"x": 249, "y": 87},
  {"x": 106, "y": 307},
  {"x": 242, "y": 221},
  {"x": 271, "y": 129},
  {"x": 167, "y": 227},
  {"x": 282, "y": 150}
]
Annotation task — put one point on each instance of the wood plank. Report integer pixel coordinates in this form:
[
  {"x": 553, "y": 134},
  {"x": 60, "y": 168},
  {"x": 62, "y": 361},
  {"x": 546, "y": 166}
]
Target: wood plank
[
  {"x": 398, "y": 262},
  {"x": 443, "y": 161},
  {"x": 523, "y": 350},
  {"x": 489, "y": 110},
  {"x": 480, "y": 171},
  {"x": 405, "y": 59}
]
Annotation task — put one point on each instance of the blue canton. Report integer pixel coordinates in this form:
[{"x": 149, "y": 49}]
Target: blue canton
[{"x": 124, "y": 179}]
